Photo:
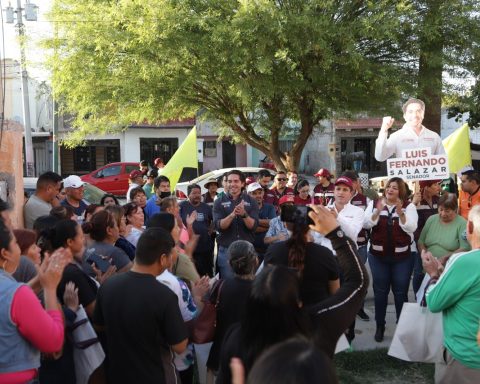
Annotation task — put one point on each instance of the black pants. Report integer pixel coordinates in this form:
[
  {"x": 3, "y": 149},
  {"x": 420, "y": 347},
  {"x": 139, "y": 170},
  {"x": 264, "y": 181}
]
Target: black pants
[
  {"x": 187, "y": 375},
  {"x": 204, "y": 262}
]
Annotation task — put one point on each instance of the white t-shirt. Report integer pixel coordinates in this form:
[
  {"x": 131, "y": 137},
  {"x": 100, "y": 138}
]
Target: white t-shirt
[
  {"x": 187, "y": 309},
  {"x": 133, "y": 236},
  {"x": 406, "y": 138}
]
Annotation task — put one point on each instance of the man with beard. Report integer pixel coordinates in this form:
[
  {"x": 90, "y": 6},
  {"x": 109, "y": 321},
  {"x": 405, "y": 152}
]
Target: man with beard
[
  {"x": 264, "y": 178},
  {"x": 279, "y": 188},
  {"x": 161, "y": 185},
  {"x": 266, "y": 212},
  {"x": 74, "y": 189},
  {"x": 202, "y": 226},
  {"x": 235, "y": 215},
  {"x": 470, "y": 193}
]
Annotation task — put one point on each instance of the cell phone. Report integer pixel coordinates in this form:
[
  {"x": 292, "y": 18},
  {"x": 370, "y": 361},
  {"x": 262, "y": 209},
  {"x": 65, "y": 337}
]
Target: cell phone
[
  {"x": 297, "y": 214},
  {"x": 101, "y": 262}
]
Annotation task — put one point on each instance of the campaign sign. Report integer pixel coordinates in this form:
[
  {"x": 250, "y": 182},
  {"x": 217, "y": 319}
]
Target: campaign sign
[{"x": 418, "y": 164}]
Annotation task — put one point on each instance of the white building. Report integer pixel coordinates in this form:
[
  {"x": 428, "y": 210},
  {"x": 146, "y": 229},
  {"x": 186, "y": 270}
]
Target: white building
[{"x": 41, "y": 111}]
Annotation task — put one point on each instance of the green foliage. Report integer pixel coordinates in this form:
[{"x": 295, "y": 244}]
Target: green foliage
[{"x": 256, "y": 66}]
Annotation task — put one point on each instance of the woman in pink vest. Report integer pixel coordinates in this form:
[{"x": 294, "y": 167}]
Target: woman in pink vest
[{"x": 393, "y": 220}]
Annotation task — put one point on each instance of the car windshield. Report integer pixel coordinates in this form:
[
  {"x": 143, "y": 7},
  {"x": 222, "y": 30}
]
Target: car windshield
[
  {"x": 92, "y": 194},
  {"x": 200, "y": 178}
]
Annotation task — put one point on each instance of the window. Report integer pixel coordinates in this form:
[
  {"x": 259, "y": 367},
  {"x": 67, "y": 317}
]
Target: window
[
  {"x": 151, "y": 148},
  {"x": 109, "y": 171},
  {"x": 84, "y": 159},
  {"x": 210, "y": 148},
  {"x": 130, "y": 168}
]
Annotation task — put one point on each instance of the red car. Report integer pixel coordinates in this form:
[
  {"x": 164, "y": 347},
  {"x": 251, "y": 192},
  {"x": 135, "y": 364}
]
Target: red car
[
  {"x": 112, "y": 178},
  {"x": 267, "y": 163}
]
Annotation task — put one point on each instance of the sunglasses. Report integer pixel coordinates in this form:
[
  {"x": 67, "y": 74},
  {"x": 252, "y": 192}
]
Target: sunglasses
[{"x": 282, "y": 179}]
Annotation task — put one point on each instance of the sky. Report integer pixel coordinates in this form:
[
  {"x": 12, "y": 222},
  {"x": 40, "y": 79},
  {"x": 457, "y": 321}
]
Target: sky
[{"x": 35, "y": 31}]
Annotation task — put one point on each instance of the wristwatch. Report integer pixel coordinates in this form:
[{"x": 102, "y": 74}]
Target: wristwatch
[{"x": 244, "y": 216}]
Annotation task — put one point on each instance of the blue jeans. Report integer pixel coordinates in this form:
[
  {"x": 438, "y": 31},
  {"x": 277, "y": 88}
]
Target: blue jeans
[
  {"x": 363, "y": 252},
  {"x": 394, "y": 274},
  {"x": 418, "y": 274},
  {"x": 223, "y": 265}
]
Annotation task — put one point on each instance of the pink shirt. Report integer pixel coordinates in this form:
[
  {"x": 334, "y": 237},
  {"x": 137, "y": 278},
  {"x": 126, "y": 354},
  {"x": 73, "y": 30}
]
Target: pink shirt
[{"x": 43, "y": 329}]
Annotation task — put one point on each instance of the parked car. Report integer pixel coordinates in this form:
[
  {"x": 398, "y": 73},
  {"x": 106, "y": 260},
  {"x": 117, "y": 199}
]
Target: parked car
[
  {"x": 181, "y": 188},
  {"x": 91, "y": 194},
  {"x": 266, "y": 162},
  {"x": 112, "y": 178}
]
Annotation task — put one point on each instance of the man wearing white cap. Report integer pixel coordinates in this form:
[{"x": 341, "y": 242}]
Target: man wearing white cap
[
  {"x": 266, "y": 212},
  {"x": 74, "y": 189}
]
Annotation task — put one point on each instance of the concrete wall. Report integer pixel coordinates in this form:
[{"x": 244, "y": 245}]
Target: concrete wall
[
  {"x": 241, "y": 155},
  {"x": 11, "y": 169},
  {"x": 212, "y": 163}
]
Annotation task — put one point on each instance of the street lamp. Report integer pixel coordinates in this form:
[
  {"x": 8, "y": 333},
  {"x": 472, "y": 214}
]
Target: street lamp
[{"x": 30, "y": 15}]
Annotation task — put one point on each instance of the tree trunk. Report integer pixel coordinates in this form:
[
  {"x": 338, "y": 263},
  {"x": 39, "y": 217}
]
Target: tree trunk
[{"x": 431, "y": 65}]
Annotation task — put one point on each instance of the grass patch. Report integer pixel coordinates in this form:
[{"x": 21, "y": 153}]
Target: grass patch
[{"x": 376, "y": 367}]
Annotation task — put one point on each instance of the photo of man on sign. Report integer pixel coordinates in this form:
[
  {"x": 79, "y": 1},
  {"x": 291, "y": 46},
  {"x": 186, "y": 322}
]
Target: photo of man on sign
[{"x": 413, "y": 135}]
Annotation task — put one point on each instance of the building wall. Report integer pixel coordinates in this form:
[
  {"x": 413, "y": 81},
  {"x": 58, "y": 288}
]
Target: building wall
[
  {"x": 11, "y": 169},
  {"x": 212, "y": 163},
  {"x": 245, "y": 155},
  {"x": 241, "y": 155},
  {"x": 131, "y": 150}
]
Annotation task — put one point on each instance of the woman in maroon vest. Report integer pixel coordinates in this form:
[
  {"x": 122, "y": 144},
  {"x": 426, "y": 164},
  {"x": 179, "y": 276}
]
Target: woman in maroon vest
[{"x": 393, "y": 220}]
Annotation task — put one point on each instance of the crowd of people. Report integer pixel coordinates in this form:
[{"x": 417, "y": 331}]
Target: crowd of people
[{"x": 289, "y": 277}]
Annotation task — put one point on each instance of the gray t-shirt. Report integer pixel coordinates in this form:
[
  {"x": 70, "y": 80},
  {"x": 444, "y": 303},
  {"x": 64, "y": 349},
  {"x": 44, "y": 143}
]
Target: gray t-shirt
[
  {"x": 33, "y": 209},
  {"x": 26, "y": 270},
  {"x": 119, "y": 258}
]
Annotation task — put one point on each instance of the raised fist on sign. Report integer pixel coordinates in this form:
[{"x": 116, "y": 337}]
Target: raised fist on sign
[{"x": 387, "y": 123}]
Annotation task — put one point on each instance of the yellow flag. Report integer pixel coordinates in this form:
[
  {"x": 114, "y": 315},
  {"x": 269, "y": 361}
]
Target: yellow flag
[
  {"x": 184, "y": 157},
  {"x": 457, "y": 146}
]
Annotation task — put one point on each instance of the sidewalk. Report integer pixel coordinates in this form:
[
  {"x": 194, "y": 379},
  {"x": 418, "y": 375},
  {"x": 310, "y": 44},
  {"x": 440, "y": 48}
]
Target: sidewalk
[{"x": 365, "y": 330}]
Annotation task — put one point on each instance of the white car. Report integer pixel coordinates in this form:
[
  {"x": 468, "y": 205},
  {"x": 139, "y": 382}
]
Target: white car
[{"x": 181, "y": 188}]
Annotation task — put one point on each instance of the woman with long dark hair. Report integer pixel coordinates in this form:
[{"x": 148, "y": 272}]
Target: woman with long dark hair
[
  {"x": 272, "y": 313},
  {"x": 315, "y": 264},
  {"x": 393, "y": 221},
  {"x": 275, "y": 311}
]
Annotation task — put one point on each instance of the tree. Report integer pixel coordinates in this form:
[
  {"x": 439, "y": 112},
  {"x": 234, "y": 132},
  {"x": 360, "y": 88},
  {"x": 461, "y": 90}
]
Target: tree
[
  {"x": 443, "y": 36},
  {"x": 255, "y": 66}
]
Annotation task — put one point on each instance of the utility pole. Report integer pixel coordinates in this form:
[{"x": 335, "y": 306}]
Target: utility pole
[
  {"x": 55, "y": 123},
  {"x": 31, "y": 16},
  {"x": 29, "y": 166}
]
